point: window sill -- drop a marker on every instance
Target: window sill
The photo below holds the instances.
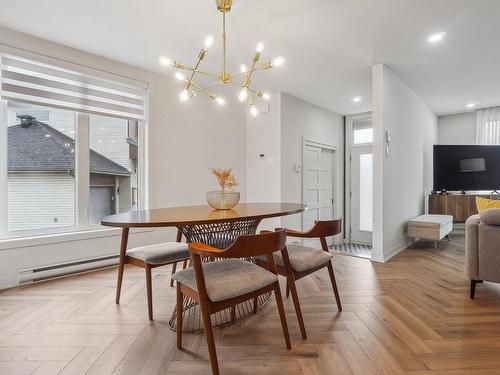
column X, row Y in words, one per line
column 13, row 243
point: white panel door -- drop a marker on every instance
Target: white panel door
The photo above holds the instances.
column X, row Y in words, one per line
column 361, row 194
column 317, row 185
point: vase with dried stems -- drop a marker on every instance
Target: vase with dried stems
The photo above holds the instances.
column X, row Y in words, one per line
column 225, row 198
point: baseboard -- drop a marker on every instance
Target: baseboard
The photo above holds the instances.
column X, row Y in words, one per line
column 391, row 253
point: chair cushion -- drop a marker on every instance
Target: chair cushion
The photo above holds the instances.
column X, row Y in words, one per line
column 302, row 257
column 227, row 279
column 162, row 253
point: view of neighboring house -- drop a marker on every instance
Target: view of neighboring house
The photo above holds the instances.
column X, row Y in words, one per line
column 41, row 163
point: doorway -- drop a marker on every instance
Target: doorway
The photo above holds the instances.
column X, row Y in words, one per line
column 318, row 188
column 359, row 183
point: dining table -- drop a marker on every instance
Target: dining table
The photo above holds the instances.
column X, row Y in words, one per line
column 217, row 228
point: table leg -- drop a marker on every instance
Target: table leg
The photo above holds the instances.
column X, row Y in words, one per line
column 121, row 266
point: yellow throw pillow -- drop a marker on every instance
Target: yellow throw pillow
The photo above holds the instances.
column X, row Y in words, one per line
column 483, row 204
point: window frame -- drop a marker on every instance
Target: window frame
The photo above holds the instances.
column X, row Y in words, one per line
column 82, row 181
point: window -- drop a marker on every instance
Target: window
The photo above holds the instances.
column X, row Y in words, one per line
column 72, row 144
column 362, row 130
column 488, row 126
column 366, row 192
column 113, row 166
column 41, row 167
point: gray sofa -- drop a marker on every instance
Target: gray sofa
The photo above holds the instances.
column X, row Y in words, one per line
column 482, row 248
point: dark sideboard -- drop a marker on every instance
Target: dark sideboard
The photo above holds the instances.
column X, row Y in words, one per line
column 460, row 206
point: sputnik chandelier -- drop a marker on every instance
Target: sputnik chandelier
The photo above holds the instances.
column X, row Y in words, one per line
column 246, row 92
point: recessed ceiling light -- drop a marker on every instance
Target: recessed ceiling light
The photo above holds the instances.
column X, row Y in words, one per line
column 471, row 105
column 356, row 99
column 436, row 37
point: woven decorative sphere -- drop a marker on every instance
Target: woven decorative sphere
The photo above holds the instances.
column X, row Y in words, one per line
column 223, row 200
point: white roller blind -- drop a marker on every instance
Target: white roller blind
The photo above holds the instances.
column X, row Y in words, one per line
column 39, row 83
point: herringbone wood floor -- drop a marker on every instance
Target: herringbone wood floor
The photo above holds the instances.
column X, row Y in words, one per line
column 411, row 315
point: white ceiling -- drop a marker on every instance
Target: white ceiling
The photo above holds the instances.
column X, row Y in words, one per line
column 330, row 45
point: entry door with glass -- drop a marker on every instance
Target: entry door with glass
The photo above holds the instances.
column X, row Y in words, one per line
column 362, row 195
column 361, row 181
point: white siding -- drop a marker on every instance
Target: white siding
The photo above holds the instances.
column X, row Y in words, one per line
column 40, row 200
column 108, row 137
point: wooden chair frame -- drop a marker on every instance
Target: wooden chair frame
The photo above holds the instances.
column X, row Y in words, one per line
column 321, row 230
column 244, row 246
column 126, row 259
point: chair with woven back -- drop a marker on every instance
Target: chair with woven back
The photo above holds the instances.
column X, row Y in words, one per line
column 224, row 283
column 300, row 261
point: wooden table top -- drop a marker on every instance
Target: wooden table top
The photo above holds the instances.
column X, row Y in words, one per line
column 190, row 215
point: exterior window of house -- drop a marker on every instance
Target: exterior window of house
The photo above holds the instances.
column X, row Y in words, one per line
column 362, row 131
column 113, row 166
column 70, row 146
column 41, row 167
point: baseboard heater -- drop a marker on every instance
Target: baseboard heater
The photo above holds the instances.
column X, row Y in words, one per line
column 63, row 269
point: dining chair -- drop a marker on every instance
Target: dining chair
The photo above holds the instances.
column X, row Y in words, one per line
column 226, row 282
column 152, row 256
column 300, row 261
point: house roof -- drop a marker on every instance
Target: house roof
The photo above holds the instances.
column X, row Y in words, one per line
column 40, row 147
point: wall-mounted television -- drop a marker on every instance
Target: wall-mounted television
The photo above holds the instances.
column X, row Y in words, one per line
column 463, row 168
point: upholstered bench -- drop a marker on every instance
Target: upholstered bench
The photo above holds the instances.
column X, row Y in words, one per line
column 430, row 227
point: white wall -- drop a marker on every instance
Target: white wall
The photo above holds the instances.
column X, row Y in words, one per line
column 404, row 177
column 273, row 178
column 184, row 142
column 301, row 121
column 458, row 129
column 264, row 137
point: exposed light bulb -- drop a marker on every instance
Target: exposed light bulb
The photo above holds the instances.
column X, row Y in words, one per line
column 356, row 99
column 266, row 96
column 253, row 110
column 184, row 96
column 242, row 97
column 243, row 68
column 209, row 41
column 437, row 37
column 220, row 101
column 164, row 60
column 260, row 47
column 278, row 61
column 180, row 76
column 471, row 105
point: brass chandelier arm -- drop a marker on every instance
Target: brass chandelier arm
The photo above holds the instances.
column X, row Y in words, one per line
column 203, row 88
column 195, row 69
column 201, row 72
